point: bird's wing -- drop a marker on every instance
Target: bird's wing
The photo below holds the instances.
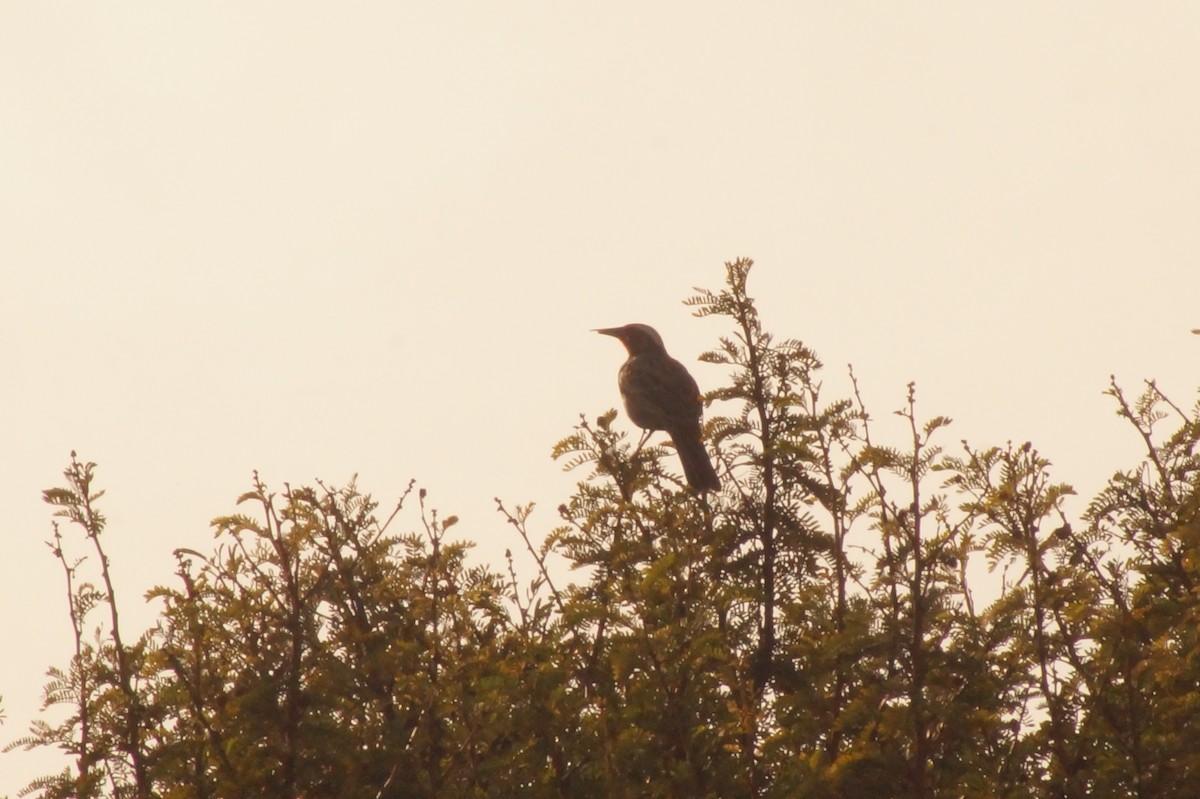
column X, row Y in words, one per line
column 681, row 387
column 660, row 394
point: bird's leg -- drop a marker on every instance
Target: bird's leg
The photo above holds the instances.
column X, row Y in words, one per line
column 645, row 435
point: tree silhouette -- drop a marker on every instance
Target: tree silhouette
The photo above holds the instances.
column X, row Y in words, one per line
column 813, row 629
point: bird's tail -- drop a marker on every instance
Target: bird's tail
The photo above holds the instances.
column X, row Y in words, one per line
column 697, row 467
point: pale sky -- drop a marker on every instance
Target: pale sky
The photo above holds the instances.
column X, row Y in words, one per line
column 321, row 239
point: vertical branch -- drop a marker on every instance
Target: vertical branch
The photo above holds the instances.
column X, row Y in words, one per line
column 77, row 607
column 433, row 590
column 289, row 567
column 917, row 596
column 77, row 502
column 751, row 335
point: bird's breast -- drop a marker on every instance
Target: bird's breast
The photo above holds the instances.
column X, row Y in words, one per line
column 659, row 394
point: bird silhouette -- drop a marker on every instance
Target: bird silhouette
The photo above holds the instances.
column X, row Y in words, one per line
column 659, row 394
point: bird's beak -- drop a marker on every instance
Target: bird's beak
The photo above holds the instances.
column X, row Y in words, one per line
column 615, row 332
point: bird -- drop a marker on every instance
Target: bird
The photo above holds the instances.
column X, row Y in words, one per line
column 660, row 394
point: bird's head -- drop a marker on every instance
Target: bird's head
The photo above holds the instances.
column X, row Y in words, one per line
column 637, row 338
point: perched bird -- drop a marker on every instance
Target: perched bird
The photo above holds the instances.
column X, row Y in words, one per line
column 659, row 394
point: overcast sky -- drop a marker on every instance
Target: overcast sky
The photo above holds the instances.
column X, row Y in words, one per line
column 321, row 239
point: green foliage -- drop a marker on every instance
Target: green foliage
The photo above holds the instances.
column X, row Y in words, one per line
column 813, row 630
